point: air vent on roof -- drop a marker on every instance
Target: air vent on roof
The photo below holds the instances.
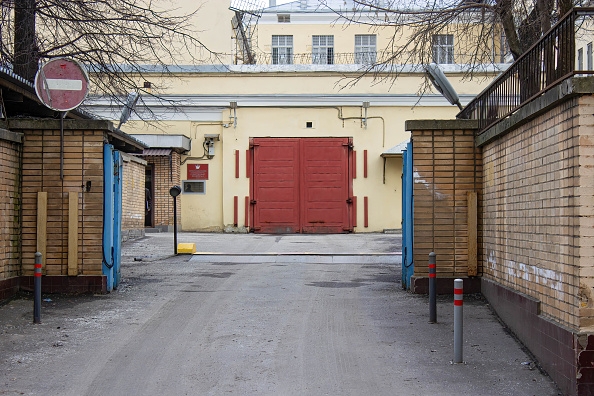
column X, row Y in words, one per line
column 284, row 18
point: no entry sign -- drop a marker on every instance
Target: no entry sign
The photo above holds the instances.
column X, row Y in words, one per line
column 62, row 84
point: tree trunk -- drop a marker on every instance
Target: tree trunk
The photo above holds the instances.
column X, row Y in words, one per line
column 504, row 9
column 26, row 53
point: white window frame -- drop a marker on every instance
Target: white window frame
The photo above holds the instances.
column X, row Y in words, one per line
column 282, row 50
column 365, row 49
column 322, row 50
column 443, row 48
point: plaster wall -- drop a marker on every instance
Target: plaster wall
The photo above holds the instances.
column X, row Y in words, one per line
column 214, row 210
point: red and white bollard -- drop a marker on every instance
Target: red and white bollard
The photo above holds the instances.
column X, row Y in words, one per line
column 37, row 290
column 458, row 319
column 432, row 288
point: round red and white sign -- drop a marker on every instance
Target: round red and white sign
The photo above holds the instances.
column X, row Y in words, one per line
column 62, row 84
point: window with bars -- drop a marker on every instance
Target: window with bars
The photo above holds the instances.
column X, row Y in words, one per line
column 589, row 56
column 365, row 48
column 580, row 59
column 282, row 50
column 322, row 50
column 443, row 48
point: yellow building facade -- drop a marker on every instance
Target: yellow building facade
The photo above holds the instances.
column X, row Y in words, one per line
column 295, row 88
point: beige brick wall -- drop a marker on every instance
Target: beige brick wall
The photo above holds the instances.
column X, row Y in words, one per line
column 535, row 211
column 584, row 201
column 166, row 174
column 10, row 202
column 446, row 167
column 83, row 162
column 133, row 201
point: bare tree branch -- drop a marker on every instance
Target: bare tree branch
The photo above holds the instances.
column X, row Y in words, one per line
column 115, row 39
column 484, row 30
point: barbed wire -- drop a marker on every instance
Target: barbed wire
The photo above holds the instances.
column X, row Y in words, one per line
column 348, row 58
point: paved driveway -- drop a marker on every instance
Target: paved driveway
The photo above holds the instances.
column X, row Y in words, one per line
column 259, row 323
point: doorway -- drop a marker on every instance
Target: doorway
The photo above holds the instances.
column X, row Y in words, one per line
column 301, row 185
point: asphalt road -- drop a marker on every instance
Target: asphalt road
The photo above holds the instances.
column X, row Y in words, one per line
column 268, row 325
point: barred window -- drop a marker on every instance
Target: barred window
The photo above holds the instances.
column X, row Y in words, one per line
column 443, row 48
column 322, row 50
column 365, row 48
column 282, row 50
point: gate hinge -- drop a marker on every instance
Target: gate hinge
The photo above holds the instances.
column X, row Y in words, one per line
column 349, row 144
column 253, row 202
column 349, row 200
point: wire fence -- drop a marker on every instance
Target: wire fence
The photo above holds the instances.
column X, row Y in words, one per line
column 344, row 58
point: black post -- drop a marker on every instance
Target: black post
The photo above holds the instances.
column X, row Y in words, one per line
column 432, row 287
column 175, row 225
column 37, row 290
column 174, row 192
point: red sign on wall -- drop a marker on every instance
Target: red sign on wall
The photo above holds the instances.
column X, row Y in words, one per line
column 197, row 171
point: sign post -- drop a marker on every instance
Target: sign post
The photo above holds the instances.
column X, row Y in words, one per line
column 61, row 84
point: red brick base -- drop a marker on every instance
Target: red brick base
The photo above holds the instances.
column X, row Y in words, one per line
column 9, row 287
column 67, row 284
column 420, row 285
column 567, row 356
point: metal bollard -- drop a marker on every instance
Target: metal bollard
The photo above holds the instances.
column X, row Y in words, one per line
column 458, row 319
column 432, row 288
column 37, row 290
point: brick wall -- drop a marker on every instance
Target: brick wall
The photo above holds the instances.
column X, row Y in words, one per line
column 83, row 162
column 166, row 174
column 133, row 201
column 446, row 167
column 533, row 210
column 10, row 211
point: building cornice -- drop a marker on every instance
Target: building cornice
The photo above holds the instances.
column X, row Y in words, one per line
column 309, row 69
column 211, row 107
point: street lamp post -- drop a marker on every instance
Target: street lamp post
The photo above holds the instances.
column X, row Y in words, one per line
column 174, row 192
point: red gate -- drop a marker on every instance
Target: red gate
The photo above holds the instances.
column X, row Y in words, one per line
column 301, row 185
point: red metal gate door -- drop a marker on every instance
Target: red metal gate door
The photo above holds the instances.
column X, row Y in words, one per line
column 275, row 189
column 325, row 184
